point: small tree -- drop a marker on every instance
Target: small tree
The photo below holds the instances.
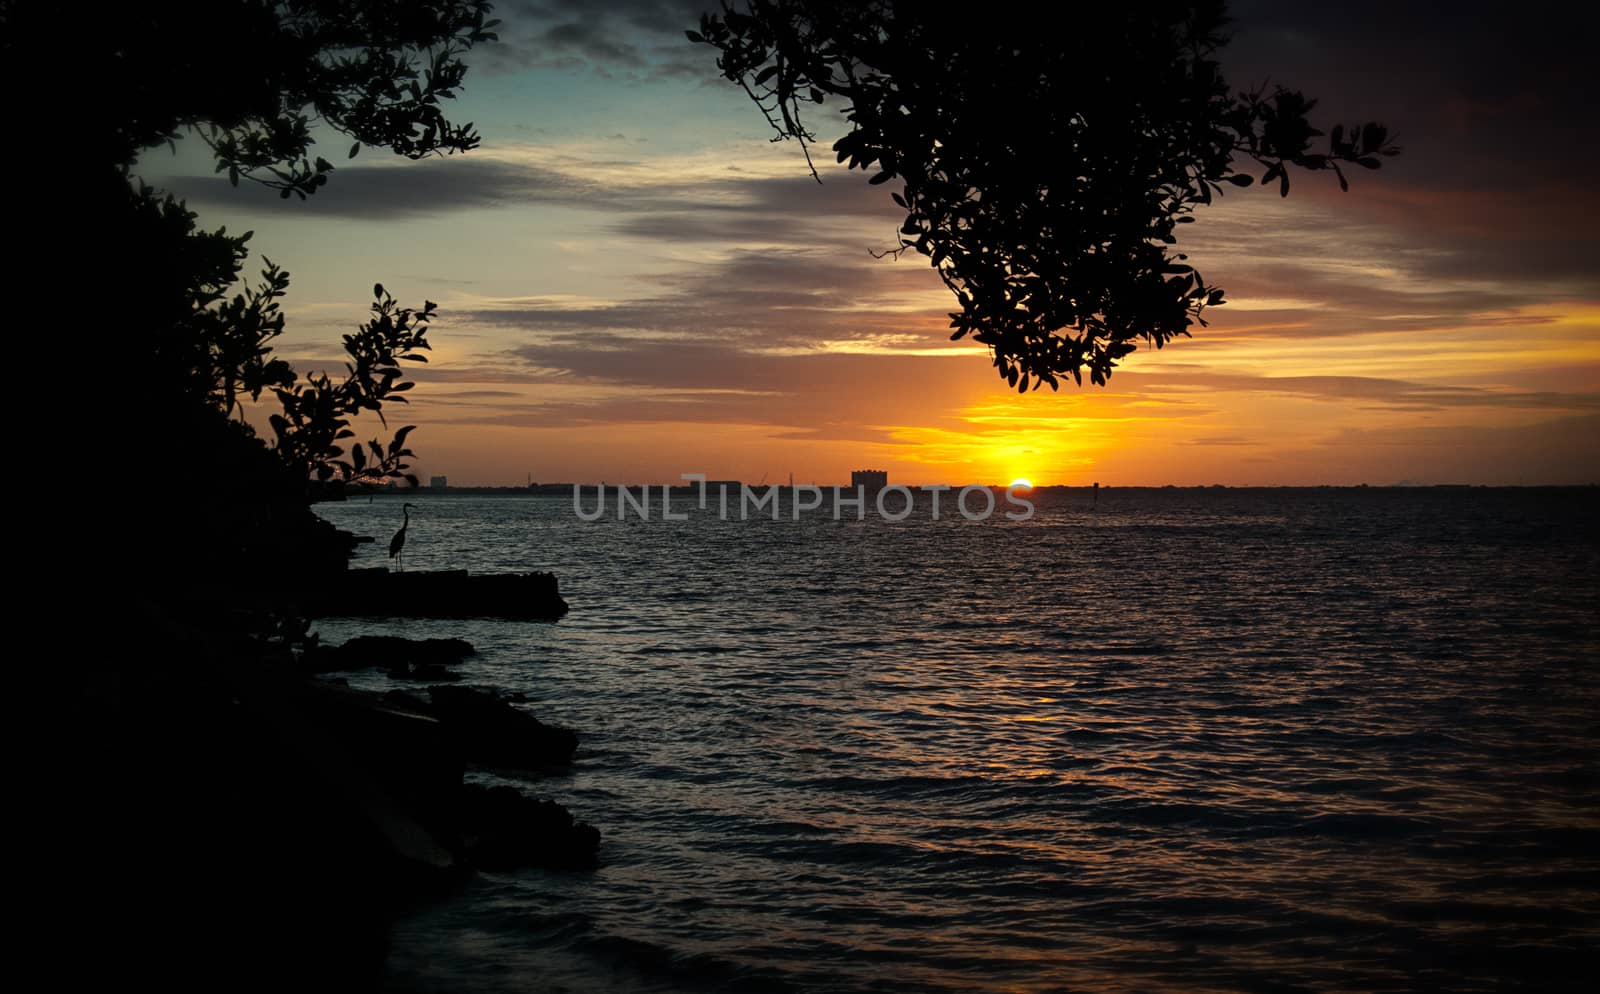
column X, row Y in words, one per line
column 219, row 354
column 317, row 413
column 257, row 81
column 1046, row 164
column 253, row 80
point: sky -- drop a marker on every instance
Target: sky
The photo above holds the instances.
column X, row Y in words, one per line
column 635, row 283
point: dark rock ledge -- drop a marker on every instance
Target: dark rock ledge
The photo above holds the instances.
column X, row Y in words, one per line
column 265, row 827
column 401, row 658
column 378, row 593
column 403, row 759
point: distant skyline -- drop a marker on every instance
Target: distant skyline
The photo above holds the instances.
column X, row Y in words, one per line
column 634, row 283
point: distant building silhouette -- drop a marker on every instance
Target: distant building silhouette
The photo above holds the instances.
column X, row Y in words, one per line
column 872, row 479
column 438, row 483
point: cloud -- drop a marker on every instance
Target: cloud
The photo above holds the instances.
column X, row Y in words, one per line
column 1323, row 263
column 748, row 302
column 1222, row 440
column 401, row 192
column 1399, row 394
column 1558, row 451
column 785, row 210
column 1485, row 97
column 607, row 346
column 592, row 40
column 639, row 39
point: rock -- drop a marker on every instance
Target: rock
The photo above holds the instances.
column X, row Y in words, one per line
column 288, row 818
column 385, row 649
column 402, row 658
column 403, row 773
column 491, row 732
column 378, row 593
column 405, row 700
column 397, row 742
column 503, row 829
column 426, row 673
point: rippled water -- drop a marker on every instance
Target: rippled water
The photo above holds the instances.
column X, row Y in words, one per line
column 1185, row 740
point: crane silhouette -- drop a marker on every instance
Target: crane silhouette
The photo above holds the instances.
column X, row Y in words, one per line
column 398, row 543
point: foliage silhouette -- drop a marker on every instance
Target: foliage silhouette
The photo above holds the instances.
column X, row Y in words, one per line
column 317, row 413
column 217, row 352
column 256, row 801
column 376, row 71
column 1045, row 170
column 256, row 81
column 252, row 77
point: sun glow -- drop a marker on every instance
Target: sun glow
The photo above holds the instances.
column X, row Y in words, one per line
column 1021, row 483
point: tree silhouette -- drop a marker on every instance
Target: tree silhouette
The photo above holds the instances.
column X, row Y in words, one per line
column 252, row 77
column 184, row 699
column 257, row 82
column 216, row 352
column 1045, row 168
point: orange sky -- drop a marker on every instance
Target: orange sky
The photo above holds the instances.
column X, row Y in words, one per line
column 633, row 284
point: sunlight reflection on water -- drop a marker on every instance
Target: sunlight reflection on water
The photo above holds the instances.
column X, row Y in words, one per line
column 1319, row 740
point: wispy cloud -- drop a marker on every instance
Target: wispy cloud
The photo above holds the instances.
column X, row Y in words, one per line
column 401, row 192
column 1443, row 314
column 638, row 39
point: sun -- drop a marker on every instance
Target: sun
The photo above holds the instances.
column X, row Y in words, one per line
column 1021, row 483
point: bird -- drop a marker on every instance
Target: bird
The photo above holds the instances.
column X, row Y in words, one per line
column 398, row 543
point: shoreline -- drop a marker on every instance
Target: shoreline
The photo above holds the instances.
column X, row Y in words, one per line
column 277, row 823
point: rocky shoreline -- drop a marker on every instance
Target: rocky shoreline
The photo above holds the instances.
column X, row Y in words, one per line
column 378, row 593
column 267, row 824
column 407, row 757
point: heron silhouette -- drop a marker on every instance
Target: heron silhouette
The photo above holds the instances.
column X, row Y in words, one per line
column 398, row 543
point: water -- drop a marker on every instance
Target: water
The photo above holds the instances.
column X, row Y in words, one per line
column 1182, row 741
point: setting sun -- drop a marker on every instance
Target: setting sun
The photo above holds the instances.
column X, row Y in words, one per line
column 699, row 449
